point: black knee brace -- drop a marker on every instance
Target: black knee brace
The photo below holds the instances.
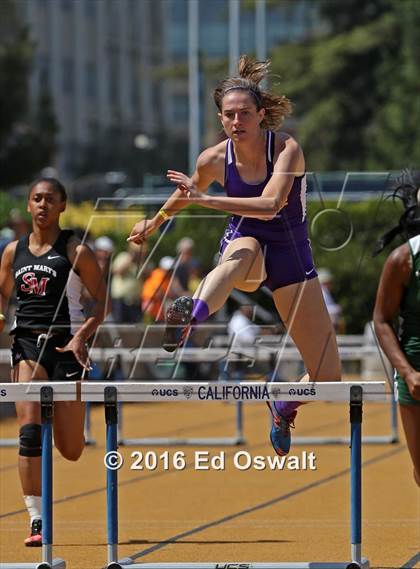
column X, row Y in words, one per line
column 30, row 440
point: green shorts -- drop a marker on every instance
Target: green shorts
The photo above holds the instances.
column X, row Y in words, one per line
column 404, row 395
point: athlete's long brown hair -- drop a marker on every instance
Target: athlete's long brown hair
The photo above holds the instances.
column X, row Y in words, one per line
column 251, row 73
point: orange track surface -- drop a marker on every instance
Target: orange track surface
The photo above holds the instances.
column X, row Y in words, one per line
column 226, row 515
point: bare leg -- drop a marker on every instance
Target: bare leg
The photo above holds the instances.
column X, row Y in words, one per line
column 68, row 427
column 241, row 267
column 69, row 421
column 302, row 308
column 410, row 415
column 29, row 412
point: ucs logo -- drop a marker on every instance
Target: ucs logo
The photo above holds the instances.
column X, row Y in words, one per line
column 233, row 566
column 163, row 392
column 302, row 391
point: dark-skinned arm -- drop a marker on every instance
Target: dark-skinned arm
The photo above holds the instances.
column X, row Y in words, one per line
column 395, row 276
column 6, row 279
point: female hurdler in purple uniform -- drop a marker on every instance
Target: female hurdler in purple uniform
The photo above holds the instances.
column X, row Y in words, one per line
column 266, row 240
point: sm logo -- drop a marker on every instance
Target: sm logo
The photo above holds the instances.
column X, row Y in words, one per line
column 33, row 285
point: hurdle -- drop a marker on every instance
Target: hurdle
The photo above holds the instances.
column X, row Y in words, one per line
column 46, row 394
column 353, row 393
column 258, row 352
column 184, row 355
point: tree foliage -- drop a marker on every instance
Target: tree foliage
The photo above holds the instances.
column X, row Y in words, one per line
column 26, row 132
column 355, row 89
column 395, row 130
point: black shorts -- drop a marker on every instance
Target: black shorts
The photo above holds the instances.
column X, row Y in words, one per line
column 38, row 348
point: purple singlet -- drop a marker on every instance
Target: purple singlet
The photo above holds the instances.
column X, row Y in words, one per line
column 284, row 239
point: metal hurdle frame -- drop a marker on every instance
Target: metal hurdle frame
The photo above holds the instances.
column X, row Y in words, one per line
column 262, row 352
column 187, row 354
column 46, row 394
column 392, row 438
column 354, row 393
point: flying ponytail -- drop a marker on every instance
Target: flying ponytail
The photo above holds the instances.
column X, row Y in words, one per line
column 251, row 73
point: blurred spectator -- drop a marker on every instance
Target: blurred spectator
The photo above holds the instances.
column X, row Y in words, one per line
column 242, row 327
column 243, row 332
column 334, row 310
column 196, row 276
column 6, row 236
column 126, row 286
column 103, row 248
column 18, row 224
column 161, row 286
column 184, row 250
column 16, row 227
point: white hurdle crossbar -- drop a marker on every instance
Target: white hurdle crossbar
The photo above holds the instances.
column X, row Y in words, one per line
column 46, row 394
column 354, row 393
column 259, row 352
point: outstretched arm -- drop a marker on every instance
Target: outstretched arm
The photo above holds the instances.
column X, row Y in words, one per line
column 395, row 275
column 289, row 164
column 203, row 176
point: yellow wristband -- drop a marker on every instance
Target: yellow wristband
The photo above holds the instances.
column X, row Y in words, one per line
column 2, row 316
column 163, row 214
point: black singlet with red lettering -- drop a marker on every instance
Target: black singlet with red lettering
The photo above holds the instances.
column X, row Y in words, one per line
column 47, row 289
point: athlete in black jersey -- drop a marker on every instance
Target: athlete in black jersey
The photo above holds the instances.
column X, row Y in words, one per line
column 47, row 269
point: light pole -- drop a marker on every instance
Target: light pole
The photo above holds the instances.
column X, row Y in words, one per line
column 260, row 30
column 234, row 35
column 193, row 84
column 143, row 142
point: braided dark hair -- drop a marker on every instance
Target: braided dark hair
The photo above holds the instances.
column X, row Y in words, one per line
column 405, row 187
